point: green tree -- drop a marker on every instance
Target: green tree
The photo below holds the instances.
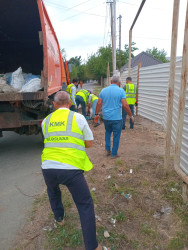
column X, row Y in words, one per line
column 97, row 63
column 76, row 61
column 158, row 54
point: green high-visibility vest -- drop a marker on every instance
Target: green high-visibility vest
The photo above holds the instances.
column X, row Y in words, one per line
column 131, row 90
column 84, row 94
column 69, row 91
column 64, row 141
column 93, row 98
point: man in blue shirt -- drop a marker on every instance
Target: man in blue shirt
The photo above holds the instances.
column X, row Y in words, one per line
column 112, row 99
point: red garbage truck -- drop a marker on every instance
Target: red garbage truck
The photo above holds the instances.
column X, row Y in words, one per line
column 28, row 40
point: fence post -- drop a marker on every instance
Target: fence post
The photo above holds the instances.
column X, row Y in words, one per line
column 138, row 72
column 171, row 83
column 181, row 108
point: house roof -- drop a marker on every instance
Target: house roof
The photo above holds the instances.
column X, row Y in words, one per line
column 144, row 58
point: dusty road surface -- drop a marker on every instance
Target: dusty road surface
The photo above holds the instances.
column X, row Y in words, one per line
column 20, row 181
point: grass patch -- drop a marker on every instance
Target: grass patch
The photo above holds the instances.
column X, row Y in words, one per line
column 119, row 162
column 120, row 217
column 67, row 236
column 180, row 242
column 147, row 230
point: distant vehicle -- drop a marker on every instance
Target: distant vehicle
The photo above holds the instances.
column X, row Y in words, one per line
column 28, row 40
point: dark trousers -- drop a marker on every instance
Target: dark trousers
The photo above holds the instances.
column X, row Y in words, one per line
column 79, row 100
column 72, row 108
column 77, row 185
column 124, row 116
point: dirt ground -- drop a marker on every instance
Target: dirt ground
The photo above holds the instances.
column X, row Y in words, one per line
column 136, row 202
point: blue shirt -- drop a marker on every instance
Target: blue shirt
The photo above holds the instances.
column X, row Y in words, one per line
column 111, row 102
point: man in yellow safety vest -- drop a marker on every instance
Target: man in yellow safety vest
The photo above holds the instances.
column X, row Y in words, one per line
column 64, row 159
column 92, row 103
column 132, row 100
column 82, row 97
column 71, row 90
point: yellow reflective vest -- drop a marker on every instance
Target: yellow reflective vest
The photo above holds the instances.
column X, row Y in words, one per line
column 69, row 91
column 63, row 140
column 93, row 98
column 131, row 90
column 84, row 94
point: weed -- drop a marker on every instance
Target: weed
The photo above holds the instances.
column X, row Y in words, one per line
column 120, row 216
column 67, row 236
column 146, row 229
column 119, row 162
column 180, row 242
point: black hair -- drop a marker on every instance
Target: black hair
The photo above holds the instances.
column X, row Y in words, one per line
column 75, row 80
column 129, row 78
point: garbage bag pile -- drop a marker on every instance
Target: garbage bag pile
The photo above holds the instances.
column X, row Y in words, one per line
column 18, row 81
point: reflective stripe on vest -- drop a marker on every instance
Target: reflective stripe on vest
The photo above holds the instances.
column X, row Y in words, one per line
column 64, row 141
column 93, row 98
column 84, row 94
column 130, row 93
column 62, row 133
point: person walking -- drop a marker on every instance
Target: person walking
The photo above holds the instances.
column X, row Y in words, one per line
column 81, row 84
column 66, row 135
column 92, row 102
column 132, row 99
column 112, row 98
column 82, row 97
column 71, row 90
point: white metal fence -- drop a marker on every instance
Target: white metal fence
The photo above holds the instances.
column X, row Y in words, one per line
column 153, row 100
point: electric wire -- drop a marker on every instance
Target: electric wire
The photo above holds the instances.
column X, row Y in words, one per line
column 63, row 6
column 83, row 12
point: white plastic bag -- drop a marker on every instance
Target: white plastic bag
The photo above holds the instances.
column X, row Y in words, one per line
column 32, row 86
column 17, row 80
column 5, row 88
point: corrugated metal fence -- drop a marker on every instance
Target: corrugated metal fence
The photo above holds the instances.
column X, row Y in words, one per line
column 153, row 100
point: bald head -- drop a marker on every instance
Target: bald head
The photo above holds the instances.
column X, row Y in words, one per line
column 61, row 99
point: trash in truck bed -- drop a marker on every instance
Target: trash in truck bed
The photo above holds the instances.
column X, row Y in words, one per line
column 18, row 81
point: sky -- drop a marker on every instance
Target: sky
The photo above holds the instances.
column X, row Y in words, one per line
column 82, row 26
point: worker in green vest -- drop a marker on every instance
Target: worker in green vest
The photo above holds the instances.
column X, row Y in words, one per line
column 82, row 97
column 92, row 103
column 64, row 159
column 132, row 100
column 71, row 90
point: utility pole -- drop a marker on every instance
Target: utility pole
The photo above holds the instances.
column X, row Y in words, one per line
column 119, row 41
column 113, row 32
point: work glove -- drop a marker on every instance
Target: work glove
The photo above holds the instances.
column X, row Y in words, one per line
column 97, row 119
column 136, row 104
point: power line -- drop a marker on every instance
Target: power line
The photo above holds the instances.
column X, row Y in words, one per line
column 67, row 8
column 63, row 6
column 82, row 12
